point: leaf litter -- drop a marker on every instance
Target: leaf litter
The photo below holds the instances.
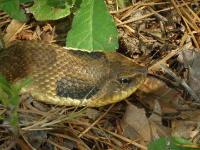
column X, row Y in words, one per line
column 162, row 35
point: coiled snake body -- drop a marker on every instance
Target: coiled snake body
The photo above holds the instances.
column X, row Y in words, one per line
column 71, row 77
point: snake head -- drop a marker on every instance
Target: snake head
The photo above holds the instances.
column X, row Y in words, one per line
column 124, row 78
column 68, row 77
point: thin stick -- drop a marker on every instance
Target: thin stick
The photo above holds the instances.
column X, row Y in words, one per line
column 94, row 123
column 126, row 140
column 182, row 83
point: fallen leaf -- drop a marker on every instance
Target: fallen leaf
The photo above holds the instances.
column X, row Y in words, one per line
column 184, row 129
column 135, row 123
column 155, row 89
column 191, row 60
column 155, row 120
column 13, row 28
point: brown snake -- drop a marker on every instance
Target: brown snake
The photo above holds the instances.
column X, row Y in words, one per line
column 71, row 77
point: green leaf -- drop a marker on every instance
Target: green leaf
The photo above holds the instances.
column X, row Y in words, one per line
column 93, row 28
column 171, row 143
column 9, row 93
column 14, row 119
column 2, row 117
column 77, row 5
column 9, row 97
column 5, row 85
column 25, row 1
column 57, row 4
column 60, row 3
column 42, row 11
column 12, row 8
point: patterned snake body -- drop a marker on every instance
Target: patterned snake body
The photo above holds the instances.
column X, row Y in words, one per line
column 71, row 77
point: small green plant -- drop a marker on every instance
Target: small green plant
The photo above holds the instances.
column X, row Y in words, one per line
column 172, row 143
column 10, row 99
column 93, row 28
column 12, row 7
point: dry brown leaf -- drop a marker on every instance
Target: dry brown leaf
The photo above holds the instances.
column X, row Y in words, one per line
column 191, row 60
column 193, row 115
column 92, row 113
column 184, row 129
column 25, row 35
column 136, row 123
column 156, row 115
column 155, row 120
column 13, row 28
column 155, row 89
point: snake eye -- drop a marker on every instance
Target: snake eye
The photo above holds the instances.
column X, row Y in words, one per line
column 124, row 80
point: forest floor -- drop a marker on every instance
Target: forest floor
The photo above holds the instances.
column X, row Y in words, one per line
column 164, row 37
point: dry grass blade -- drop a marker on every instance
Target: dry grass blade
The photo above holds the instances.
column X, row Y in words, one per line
column 192, row 16
column 157, row 65
column 121, row 10
column 147, row 15
column 135, row 19
column 12, row 30
column 126, row 140
column 132, row 10
column 4, row 18
column 57, row 145
column 66, row 137
column 94, row 123
column 126, row 26
column 26, row 141
column 188, row 19
column 137, row 5
column 191, row 33
column 51, row 119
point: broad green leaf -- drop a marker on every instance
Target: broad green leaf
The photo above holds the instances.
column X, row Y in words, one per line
column 78, row 3
column 57, row 4
column 25, row 1
column 12, row 8
column 42, row 11
column 60, row 3
column 93, row 28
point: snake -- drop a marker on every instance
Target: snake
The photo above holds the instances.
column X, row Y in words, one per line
column 70, row 77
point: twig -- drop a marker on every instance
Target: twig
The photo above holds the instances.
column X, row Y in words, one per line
column 126, row 140
column 94, row 123
column 181, row 82
column 58, row 146
column 147, row 15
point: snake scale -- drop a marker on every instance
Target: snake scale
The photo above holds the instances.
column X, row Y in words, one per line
column 71, row 77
